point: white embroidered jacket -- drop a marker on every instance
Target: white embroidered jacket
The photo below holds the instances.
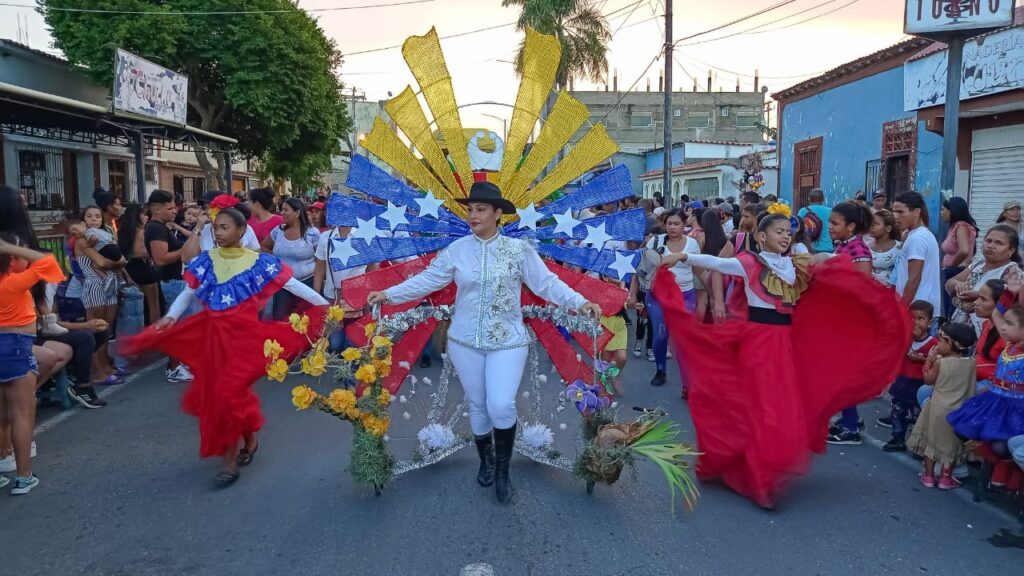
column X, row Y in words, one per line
column 489, row 275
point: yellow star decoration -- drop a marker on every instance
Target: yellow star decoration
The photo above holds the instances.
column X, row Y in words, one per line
column 303, row 397
column 277, row 370
column 272, row 349
column 299, row 323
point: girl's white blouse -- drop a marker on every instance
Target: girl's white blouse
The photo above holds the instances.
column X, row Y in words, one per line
column 489, row 275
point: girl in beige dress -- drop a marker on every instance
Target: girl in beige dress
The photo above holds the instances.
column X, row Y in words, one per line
column 951, row 370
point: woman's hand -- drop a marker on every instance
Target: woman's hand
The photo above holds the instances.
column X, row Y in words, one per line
column 164, row 323
column 968, row 296
column 673, row 259
column 718, row 310
column 97, row 324
column 376, row 298
column 590, row 310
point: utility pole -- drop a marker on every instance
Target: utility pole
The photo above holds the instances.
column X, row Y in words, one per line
column 951, row 116
column 667, row 172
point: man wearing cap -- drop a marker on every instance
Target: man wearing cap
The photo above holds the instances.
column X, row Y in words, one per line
column 727, row 212
column 487, row 340
column 878, row 201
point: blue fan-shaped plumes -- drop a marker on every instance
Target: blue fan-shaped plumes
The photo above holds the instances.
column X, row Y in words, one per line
column 343, row 210
column 629, row 225
column 367, row 178
column 592, row 259
column 611, row 186
column 381, row 249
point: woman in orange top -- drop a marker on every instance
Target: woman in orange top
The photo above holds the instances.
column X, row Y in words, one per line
column 20, row 270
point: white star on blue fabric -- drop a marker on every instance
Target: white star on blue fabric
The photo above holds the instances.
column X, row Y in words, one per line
column 343, row 249
column 201, row 271
column 623, row 264
column 259, row 279
column 271, row 268
column 365, row 229
column 597, row 235
column 227, row 300
column 395, row 215
column 428, row 205
column 529, row 216
column 566, row 223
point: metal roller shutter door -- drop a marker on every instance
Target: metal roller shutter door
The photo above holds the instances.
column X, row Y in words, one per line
column 995, row 180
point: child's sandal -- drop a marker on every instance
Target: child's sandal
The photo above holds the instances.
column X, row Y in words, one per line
column 927, row 480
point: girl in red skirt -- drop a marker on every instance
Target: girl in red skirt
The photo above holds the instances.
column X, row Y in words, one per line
column 758, row 421
column 224, row 344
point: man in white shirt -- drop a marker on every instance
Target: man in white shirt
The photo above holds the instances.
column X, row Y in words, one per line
column 918, row 272
column 204, row 241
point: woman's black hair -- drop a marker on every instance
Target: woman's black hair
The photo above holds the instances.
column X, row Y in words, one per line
column 962, row 335
column 1011, row 233
column 855, row 214
column 103, row 198
column 81, row 216
column 959, row 212
column 914, row 201
column 297, row 205
column 677, row 212
column 14, row 220
column 263, row 196
column 768, row 219
column 997, row 287
column 236, row 217
column 6, row 259
column 129, row 228
column 889, row 220
column 714, row 235
column 245, row 209
column 698, row 215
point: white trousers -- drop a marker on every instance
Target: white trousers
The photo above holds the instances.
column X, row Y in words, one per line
column 490, row 380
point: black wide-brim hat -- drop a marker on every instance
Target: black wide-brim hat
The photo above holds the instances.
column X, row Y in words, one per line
column 488, row 193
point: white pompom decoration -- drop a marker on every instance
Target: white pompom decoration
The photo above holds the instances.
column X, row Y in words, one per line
column 562, row 426
column 427, row 381
column 402, row 399
column 404, row 365
column 526, row 393
column 406, row 416
column 542, row 378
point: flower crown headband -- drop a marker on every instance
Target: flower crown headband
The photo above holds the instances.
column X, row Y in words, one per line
column 784, row 209
column 221, row 202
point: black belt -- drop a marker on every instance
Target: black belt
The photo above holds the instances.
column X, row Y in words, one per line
column 769, row 316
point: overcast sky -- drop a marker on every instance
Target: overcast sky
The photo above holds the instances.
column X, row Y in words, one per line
column 480, row 62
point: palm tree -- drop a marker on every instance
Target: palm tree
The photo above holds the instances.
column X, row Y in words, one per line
column 580, row 28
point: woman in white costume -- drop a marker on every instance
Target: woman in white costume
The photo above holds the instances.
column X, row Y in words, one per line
column 487, row 340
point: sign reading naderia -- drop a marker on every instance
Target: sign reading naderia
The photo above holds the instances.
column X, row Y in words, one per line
column 939, row 17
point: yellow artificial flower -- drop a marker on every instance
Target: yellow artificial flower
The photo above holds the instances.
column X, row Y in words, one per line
column 353, row 414
column 277, row 370
column 314, row 364
column 351, row 354
column 299, row 323
column 320, row 346
column 272, row 349
column 383, row 367
column 780, row 208
column 382, row 342
column 341, row 401
column 370, row 329
column 376, row 425
column 384, row 399
column 335, row 313
column 303, row 397
column 367, row 373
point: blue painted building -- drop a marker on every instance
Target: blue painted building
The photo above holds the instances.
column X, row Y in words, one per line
column 847, row 130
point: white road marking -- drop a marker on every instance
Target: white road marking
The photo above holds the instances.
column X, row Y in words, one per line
column 479, row 569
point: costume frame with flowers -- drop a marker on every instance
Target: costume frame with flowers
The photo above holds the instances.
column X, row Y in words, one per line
column 418, row 215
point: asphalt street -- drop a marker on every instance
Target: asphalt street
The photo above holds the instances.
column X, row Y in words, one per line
column 123, row 492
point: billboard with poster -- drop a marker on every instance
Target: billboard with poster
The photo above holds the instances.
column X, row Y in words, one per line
column 944, row 17
column 141, row 87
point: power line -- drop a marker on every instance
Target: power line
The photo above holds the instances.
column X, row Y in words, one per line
column 736, row 21
column 476, row 31
column 215, row 13
column 760, row 26
column 823, row 14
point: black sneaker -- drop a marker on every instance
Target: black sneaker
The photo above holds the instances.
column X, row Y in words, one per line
column 837, row 427
column 86, row 397
column 659, row 378
column 885, row 422
column 895, row 445
column 425, row 362
column 845, row 438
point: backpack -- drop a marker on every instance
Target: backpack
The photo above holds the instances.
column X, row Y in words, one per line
column 813, row 226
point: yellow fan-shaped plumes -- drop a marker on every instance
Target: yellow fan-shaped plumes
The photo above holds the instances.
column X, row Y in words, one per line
column 431, row 170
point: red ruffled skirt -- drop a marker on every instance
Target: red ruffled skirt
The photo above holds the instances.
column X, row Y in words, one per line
column 761, row 395
column 224, row 351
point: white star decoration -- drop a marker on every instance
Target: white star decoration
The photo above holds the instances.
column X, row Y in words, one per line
column 271, row 268
column 366, row 229
column 529, row 216
column 623, row 264
column 597, row 235
column 429, row 205
column 201, row 271
column 395, row 215
column 343, row 249
column 566, row 223
column 227, row 300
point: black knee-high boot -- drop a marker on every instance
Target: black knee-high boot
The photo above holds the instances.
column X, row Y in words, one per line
column 504, row 441
column 485, row 448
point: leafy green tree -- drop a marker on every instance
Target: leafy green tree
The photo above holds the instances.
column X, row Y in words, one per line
column 266, row 77
column 580, row 28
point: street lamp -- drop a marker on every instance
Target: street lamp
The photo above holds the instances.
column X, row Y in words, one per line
column 504, row 126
